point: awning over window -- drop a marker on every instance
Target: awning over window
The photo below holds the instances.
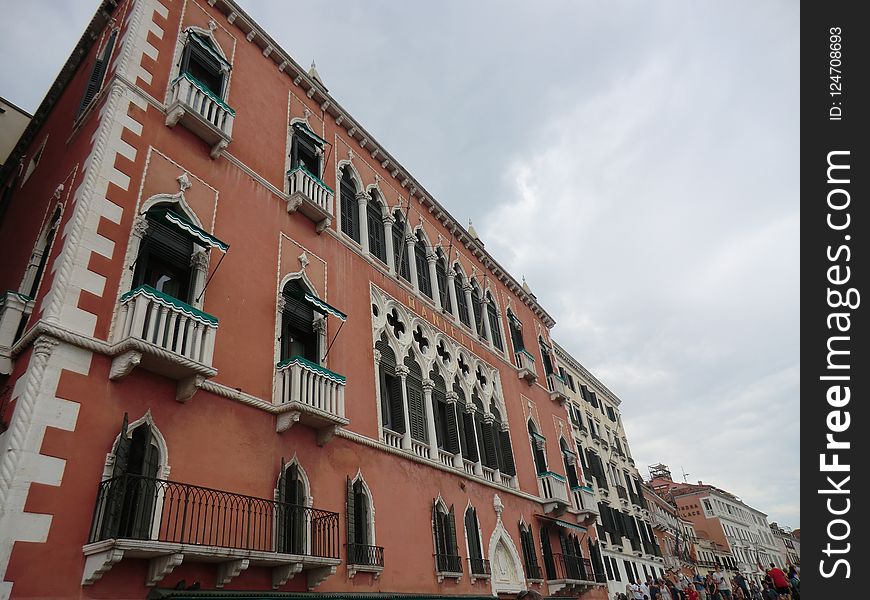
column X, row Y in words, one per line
column 304, row 130
column 203, row 238
column 561, row 523
column 206, row 44
column 322, row 307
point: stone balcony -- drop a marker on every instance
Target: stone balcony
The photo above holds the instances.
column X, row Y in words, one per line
column 310, row 394
column 197, row 108
column 558, row 389
column 584, row 504
column 14, row 310
column 166, row 336
column 553, row 492
column 525, row 362
column 167, row 523
column 310, row 196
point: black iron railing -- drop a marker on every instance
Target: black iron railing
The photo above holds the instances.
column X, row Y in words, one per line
column 479, row 566
column 448, row 563
column 136, row 507
column 622, row 492
column 362, row 554
column 533, row 571
column 566, row 566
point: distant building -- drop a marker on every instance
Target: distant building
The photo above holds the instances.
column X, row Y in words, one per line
column 676, row 536
column 13, row 122
column 788, row 543
column 724, row 519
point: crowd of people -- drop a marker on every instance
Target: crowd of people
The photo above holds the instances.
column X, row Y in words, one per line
column 776, row 585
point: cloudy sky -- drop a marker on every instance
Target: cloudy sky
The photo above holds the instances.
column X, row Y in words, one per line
column 637, row 161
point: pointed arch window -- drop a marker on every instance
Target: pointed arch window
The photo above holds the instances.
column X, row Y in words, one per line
column 164, row 256
column 494, row 323
column 516, row 329
column 545, row 356
column 290, row 511
column 478, row 565
column 447, row 559
column 538, row 445
column 446, row 430
column 424, row 283
column 477, row 306
column 441, row 276
column 377, row 245
column 416, row 408
column 361, row 550
column 39, row 258
column 98, row 74
column 298, row 337
column 305, row 150
column 461, row 301
column 128, row 501
column 392, row 414
column 530, row 557
column 400, row 253
column 349, row 206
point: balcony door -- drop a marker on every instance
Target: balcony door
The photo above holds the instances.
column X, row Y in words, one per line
column 291, row 511
column 298, row 337
column 164, row 257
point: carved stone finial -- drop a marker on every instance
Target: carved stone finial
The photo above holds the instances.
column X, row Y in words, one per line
column 350, row 155
column 58, row 191
column 377, row 179
column 497, row 505
column 307, row 113
column 212, row 25
column 303, row 260
column 183, row 182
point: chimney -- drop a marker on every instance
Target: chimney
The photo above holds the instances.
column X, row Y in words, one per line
column 700, row 482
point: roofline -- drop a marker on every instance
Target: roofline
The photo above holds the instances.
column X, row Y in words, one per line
column 80, row 51
column 565, row 355
column 16, row 107
column 317, row 92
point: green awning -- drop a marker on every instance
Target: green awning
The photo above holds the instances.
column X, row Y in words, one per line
column 313, row 367
column 172, row 303
column 538, row 436
column 201, row 237
column 322, row 307
column 206, row 44
column 306, row 131
column 561, row 523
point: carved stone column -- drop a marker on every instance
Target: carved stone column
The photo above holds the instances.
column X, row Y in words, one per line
column 428, row 386
column 410, row 240
column 388, row 242
column 466, row 289
column 484, row 314
column 451, row 289
column 453, row 403
column 199, row 262
column 402, row 371
column 362, row 200
column 432, row 258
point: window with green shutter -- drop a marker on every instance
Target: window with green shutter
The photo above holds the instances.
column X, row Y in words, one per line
column 494, row 323
column 416, row 408
column 400, row 251
column 461, row 300
column 392, row 413
column 424, row 282
column 441, row 276
column 349, row 205
column 98, row 74
column 375, row 221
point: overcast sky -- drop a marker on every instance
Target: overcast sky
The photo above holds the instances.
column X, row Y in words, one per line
column 636, row 161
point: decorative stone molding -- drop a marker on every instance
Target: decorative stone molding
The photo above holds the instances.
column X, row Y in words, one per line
column 284, row 573
column 317, row 576
column 124, row 363
column 229, row 570
column 97, row 565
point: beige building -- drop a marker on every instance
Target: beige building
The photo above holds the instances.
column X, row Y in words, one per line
column 13, row 122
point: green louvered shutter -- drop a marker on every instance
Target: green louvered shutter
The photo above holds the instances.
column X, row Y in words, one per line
column 396, row 408
column 470, row 445
column 451, row 534
column 281, row 512
column 507, row 453
column 452, row 442
column 350, row 511
column 416, row 412
column 113, row 492
column 489, row 440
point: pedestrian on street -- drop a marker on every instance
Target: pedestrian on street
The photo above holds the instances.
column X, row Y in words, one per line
column 780, row 581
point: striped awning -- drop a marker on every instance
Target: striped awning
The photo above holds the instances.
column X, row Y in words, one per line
column 322, row 307
column 304, row 130
column 561, row 523
column 201, row 237
column 206, row 44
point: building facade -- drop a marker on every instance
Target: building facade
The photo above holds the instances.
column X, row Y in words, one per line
column 628, row 543
column 675, row 536
column 724, row 519
column 13, row 122
column 242, row 348
column 788, row 544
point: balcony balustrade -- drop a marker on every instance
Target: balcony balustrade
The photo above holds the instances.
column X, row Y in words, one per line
column 478, row 568
column 526, row 364
column 558, row 389
column 310, row 394
column 584, row 504
column 419, row 448
column 310, row 196
column 362, row 558
column 169, row 522
column 448, row 565
column 570, row 575
column 197, row 108
column 554, row 492
column 393, row 439
column 166, row 336
column 14, row 310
